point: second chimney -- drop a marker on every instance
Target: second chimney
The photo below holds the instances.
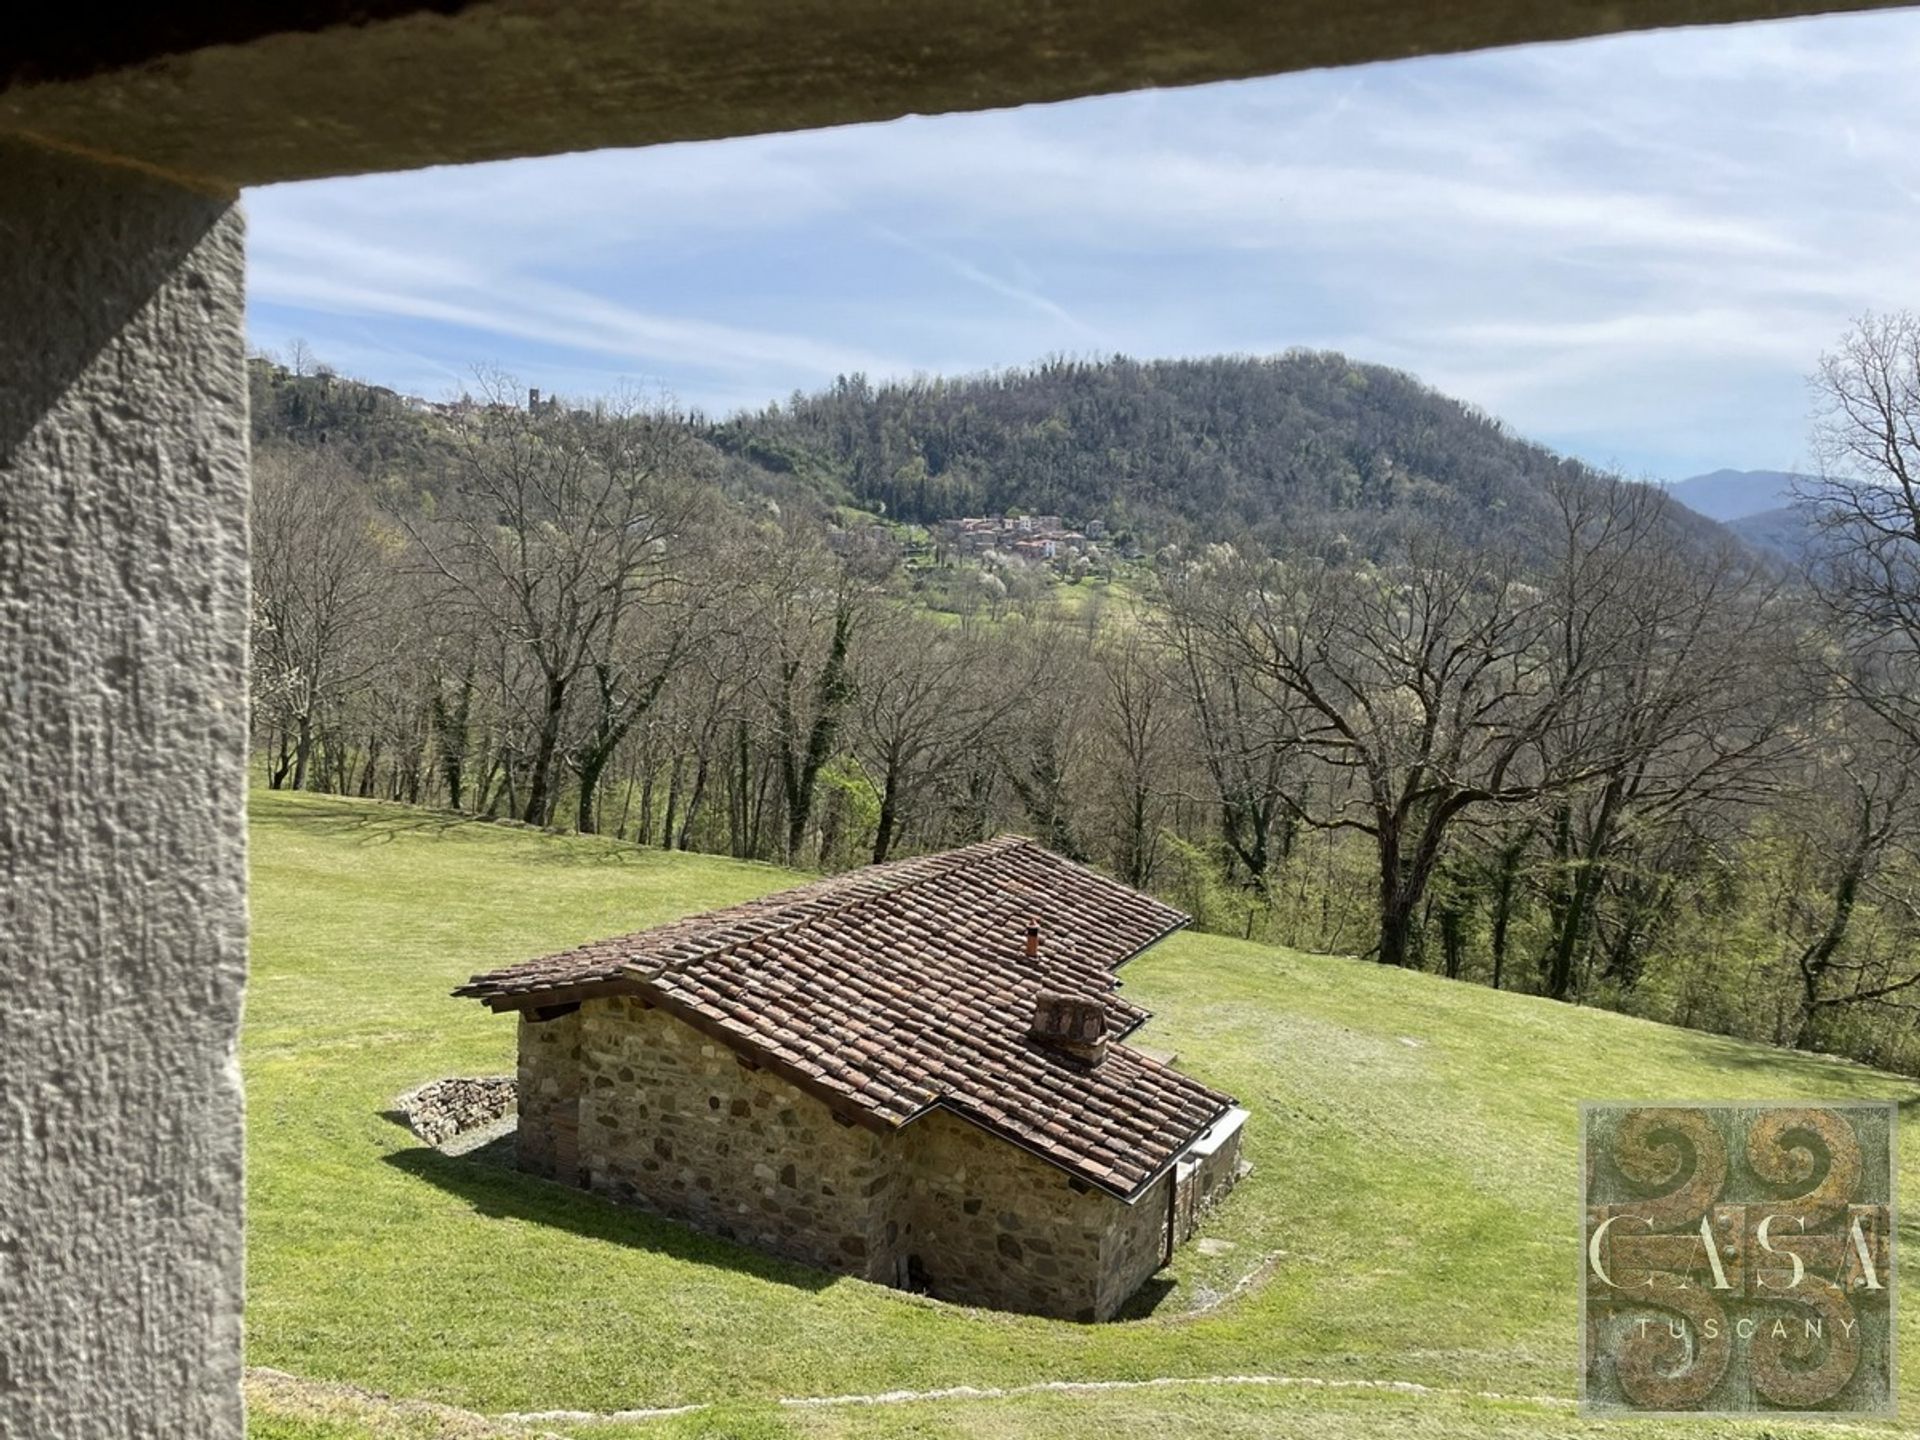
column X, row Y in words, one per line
column 1033, row 939
column 1070, row 1024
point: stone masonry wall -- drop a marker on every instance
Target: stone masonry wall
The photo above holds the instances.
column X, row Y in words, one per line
column 1133, row 1245
column 992, row 1225
column 1217, row 1174
column 672, row 1121
column 628, row 1101
column 549, row 1083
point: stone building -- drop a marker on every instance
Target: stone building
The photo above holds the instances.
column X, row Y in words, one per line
column 916, row 1073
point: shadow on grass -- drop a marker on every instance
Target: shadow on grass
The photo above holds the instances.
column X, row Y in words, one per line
column 482, row 1178
column 377, row 820
column 1850, row 1079
column 1144, row 1301
column 381, row 822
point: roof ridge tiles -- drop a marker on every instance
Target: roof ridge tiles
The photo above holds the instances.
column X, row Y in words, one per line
column 974, row 853
column 760, row 918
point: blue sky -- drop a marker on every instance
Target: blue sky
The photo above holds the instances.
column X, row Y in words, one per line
column 1632, row 249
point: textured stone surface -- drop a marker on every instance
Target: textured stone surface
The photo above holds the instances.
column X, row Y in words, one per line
column 442, row 1109
column 328, row 94
column 622, row 1098
column 548, row 1140
column 123, row 631
column 671, row 1120
column 992, row 1225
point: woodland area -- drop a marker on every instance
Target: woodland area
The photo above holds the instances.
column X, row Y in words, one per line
column 1391, row 681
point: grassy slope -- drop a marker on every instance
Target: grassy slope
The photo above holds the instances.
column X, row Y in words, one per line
column 1414, row 1145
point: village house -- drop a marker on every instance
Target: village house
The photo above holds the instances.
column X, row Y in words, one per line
column 916, row 1073
column 1034, row 539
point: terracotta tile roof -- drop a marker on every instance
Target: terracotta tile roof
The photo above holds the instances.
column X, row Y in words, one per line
column 889, row 990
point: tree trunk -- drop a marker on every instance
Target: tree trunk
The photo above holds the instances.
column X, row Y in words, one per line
column 368, row 771
column 278, row 771
column 889, row 817
column 693, row 799
column 592, row 765
column 1134, row 865
column 540, row 776
column 737, row 813
column 1246, row 831
column 1403, row 883
column 1396, row 905
column 1579, row 894
column 1453, row 938
column 509, row 780
column 1505, row 879
column 1816, row 959
column 302, row 749
column 1396, row 929
column 673, row 799
column 450, row 735
column 801, row 774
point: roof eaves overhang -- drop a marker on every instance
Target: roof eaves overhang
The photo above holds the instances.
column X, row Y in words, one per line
column 1134, row 954
column 542, row 996
column 1180, row 1150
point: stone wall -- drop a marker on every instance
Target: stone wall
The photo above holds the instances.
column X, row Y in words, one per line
column 1217, row 1174
column 673, row 1121
column 1133, row 1245
column 547, row 1142
column 621, row 1097
column 985, row 1223
column 442, row 1109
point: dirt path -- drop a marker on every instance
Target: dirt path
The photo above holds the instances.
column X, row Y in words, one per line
column 284, row 1393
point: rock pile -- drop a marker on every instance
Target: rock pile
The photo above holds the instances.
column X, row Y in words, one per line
column 442, row 1109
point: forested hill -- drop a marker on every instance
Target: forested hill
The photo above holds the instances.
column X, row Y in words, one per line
column 1168, row 449
column 1163, row 450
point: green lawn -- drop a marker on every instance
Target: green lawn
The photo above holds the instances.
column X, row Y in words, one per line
column 1415, row 1184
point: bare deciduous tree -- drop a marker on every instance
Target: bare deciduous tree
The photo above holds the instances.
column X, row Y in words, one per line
column 1660, row 644
column 928, row 696
column 558, row 528
column 1427, row 683
column 1138, row 724
column 1246, row 735
column 319, row 585
column 1866, row 509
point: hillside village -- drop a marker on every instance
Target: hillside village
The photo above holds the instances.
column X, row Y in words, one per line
column 1034, row 539
column 1044, row 545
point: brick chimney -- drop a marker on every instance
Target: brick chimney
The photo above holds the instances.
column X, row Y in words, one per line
column 1071, row 1024
column 1033, row 939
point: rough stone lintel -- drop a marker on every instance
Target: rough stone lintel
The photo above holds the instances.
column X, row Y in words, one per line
column 243, row 95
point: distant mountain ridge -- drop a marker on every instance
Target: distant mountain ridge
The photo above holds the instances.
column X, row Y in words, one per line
column 1170, row 450
column 1729, row 495
column 1166, row 451
column 1787, row 531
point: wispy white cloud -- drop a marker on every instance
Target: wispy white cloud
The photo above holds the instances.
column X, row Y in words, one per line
column 1634, row 247
column 321, row 272
column 986, row 280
